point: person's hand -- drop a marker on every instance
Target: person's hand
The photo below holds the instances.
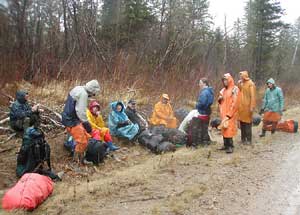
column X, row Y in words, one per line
column 261, row 111
column 97, row 113
column 252, row 109
column 220, row 99
column 35, row 108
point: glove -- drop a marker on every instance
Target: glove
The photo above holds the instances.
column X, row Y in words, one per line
column 261, row 111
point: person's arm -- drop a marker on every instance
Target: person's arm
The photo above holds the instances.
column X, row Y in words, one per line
column 202, row 101
column 19, row 113
column 159, row 113
column 81, row 105
column 235, row 102
column 281, row 100
column 252, row 97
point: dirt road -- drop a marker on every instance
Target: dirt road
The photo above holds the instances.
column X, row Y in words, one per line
column 260, row 179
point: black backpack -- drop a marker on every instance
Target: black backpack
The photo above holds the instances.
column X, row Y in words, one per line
column 96, row 151
column 34, row 151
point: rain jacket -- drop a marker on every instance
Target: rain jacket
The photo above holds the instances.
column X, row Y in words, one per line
column 20, row 108
column 273, row 100
column 75, row 107
column 247, row 98
column 161, row 113
column 116, row 122
column 228, row 105
column 96, row 122
column 205, row 100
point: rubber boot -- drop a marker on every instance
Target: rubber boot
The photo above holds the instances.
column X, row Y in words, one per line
column 112, row 147
column 263, row 133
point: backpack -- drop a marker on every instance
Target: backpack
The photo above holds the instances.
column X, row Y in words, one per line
column 165, row 146
column 96, row 151
column 34, row 151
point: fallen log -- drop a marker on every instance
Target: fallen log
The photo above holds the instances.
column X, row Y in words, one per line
column 4, row 120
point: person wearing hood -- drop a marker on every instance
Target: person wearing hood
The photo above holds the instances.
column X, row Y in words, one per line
column 272, row 107
column 163, row 113
column 204, row 102
column 246, row 106
column 99, row 131
column 20, row 112
column 228, row 103
column 74, row 115
column 134, row 115
column 119, row 123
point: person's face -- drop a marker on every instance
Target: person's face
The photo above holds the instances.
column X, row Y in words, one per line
column 270, row 85
column 95, row 109
column 132, row 105
column 241, row 77
column 225, row 82
column 201, row 84
column 165, row 101
column 119, row 108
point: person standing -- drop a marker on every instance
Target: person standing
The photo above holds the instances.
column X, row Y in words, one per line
column 199, row 125
column 228, row 103
column 246, row 106
column 272, row 107
column 74, row 115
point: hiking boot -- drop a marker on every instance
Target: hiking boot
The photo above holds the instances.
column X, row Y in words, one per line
column 263, row 133
column 229, row 150
column 85, row 162
column 112, row 147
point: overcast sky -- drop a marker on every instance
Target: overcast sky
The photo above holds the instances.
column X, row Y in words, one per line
column 235, row 8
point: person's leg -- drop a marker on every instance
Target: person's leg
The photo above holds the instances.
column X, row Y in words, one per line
column 81, row 138
column 264, row 127
column 230, row 145
column 248, row 132
column 226, row 145
column 274, row 126
column 205, row 139
column 243, row 131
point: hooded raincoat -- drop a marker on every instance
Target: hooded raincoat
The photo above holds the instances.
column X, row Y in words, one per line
column 163, row 115
column 115, row 119
column 273, row 100
column 228, row 104
column 19, row 109
column 247, row 98
column 97, row 123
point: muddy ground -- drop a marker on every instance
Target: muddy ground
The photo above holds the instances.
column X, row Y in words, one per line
column 259, row 179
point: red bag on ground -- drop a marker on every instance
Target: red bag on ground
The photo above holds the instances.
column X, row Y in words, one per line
column 290, row 126
column 30, row 191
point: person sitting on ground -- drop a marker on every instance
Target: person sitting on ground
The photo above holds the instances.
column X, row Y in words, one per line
column 34, row 151
column 119, row 124
column 98, row 125
column 21, row 111
column 134, row 116
column 74, row 115
column 272, row 107
column 163, row 113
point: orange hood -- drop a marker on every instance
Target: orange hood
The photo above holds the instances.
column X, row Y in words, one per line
column 230, row 80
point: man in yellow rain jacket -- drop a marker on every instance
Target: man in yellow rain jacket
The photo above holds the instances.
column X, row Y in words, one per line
column 163, row 113
column 246, row 106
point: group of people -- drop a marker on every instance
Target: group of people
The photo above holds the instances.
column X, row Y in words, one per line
column 83, row 120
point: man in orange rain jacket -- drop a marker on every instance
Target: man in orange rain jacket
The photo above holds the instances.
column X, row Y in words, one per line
column 228, row 104
column 246, row 106
column 163, row 113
